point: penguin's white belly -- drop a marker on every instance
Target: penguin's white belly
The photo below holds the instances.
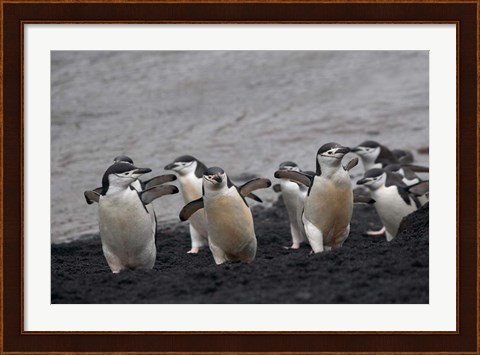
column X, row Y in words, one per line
column 127, row 231
column 137, row 185
column 391, row 208
column 230, row 225
column 301, row 202
column 329, row 208
column 290, row 194
column 199, row 222
column 294, row 198
column 191, row 188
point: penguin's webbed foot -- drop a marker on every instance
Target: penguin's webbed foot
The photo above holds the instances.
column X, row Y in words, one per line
column 377, row 232
column 194, row 250
column 294, row 246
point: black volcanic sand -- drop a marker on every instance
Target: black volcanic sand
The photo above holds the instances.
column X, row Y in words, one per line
column 367, row 269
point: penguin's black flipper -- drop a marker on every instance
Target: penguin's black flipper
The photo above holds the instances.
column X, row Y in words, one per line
column 155, row 192
column 409, row 174
column 416, row 168
column 309, row 173
column 277, row 188
column 252, row 185
column 351, row 164
column 295, row 176
column 190, row 208
column 158, row 180
column 254, row 197
column 420, row 188
column 92, row 196
column 363, row 199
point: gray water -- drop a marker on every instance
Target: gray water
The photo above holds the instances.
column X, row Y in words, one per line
column 246, row 111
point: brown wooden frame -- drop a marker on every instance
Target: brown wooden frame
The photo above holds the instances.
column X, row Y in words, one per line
column 465, row 14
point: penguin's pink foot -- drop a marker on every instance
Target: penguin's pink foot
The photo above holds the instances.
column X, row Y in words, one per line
column 194, row 250
column 293, row 246
column 378, row 232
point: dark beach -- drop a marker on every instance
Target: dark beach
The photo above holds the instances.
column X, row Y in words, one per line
column 367, row 269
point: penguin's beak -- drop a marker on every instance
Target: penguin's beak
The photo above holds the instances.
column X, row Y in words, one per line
column 141, row 171
column 169, row 166
column 362, row 181
column 355, row 149
column 211, row 178
column 343, row 150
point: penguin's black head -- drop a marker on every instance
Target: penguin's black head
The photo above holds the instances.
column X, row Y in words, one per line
column 333, row 150
column 330, row 154
column 121, row 175
column 214, row 173
column 214, row 177
column 369, row 144
column 185, row 159
column 123, row 159
column 181, row 163
column 373, row 178
column 289, row 165
column 366, row 147
column 187, row 164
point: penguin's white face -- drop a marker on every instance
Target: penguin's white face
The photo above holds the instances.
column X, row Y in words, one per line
column 374, row 182
column 184, row 168
column 367, row 152
column 290, row 168
column 332, row 157
column 119, row 176
column 215, row 181
column 124, row 179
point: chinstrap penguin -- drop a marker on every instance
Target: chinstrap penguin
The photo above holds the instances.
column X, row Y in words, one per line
column 231, row 233
column 293, row 195
column 393, row 199
column 329, row 203
column 190, row 175
column 92, row 196
column 374, row 155
column 145, row 184
column 127, row 219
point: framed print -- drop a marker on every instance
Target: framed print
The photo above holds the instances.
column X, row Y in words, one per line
column 229, row 94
